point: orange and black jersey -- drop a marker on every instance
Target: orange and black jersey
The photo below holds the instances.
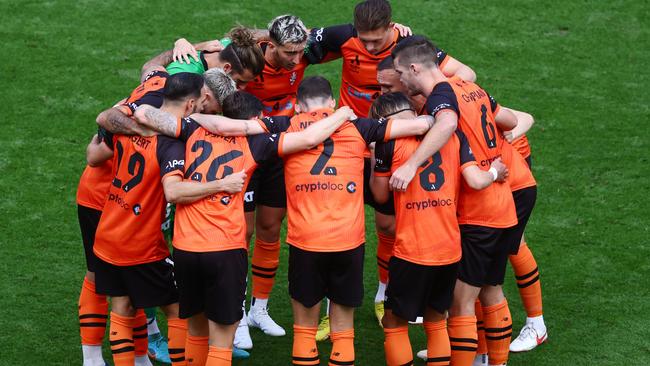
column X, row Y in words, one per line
column 426, row 229
column 492, row 206
column 522, row 146
column 519, row 174
column 216, row 222
column 276, row 87
column 129, row 229
column 359, row 86
column 325, row 184
column 95, row 181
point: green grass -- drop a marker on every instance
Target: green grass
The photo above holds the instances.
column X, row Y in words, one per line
column 578, row 66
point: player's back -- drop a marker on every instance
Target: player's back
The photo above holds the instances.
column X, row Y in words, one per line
column 94, row 184
column 427, row 230
column 492, row 206
column 325, row 189
column 129, row 229
column 215, row 222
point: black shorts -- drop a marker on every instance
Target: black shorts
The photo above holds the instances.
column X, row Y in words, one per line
column 524, row 203
column 249, row 196
column 271, row 191
column 387, row 208
column 213, row 283
column 147, row 285
column 485, row 254
column 335, row 275
column 414, row 287
column 88, row 221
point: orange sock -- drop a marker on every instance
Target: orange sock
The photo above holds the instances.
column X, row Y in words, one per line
column 305, row 351
column 196, row 350
column 463, row 340
column 140, row 336
column 527, row 274
column 498, row 331
column 438, row 347
column 121, row 339
column 398, row 346
column 266, row 257
column 219, row 356
column 480, row 328
column 385, row 245
column 342, row 348
column 93, row 313
column 176, row 333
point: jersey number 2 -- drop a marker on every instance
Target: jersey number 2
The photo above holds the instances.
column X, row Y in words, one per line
column 432, row 167
column 136, row 160
column 320, row 164
column 206, row 150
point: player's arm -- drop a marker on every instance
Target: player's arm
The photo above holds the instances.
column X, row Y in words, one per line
column 225, row 126
column 97, row 151
column 409, row 127
column 503, row 117
column 380, row 174
column 453, row 67
column 183, row 49
column 116, row 120
column 479, row 179
column 316, row 133
column 524, row 123
column 445, row 125
column 183, row 192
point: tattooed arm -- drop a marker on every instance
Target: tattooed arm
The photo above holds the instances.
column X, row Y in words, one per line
column 117, row 122
column 157, row 63
column 160, row 121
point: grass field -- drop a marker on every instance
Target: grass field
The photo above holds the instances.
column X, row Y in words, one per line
column 577, row 66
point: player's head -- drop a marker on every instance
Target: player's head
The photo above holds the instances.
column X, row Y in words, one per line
column 184, row 91
column 242, row 105
column 392, row 105
column 218, row 85
column 314, row 92
column 242, row 59
column 388, row 78
column 372, row 21
column 412, row 58
column 288, row 39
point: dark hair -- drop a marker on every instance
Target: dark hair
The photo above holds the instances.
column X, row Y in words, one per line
column 314, row 87
column 415, row 49
column 242, row 105
column 388, row 104
column 370, row 15
column 243, row 53
column 386, row 64
column 183, row 85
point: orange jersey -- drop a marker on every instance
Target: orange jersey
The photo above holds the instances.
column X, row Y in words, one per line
column 519, row 174
column 150, row 92
column 522, row 145
column 94, row 184
column 129, row 229
column 359, row 86
column 216, row 222
column 276, row 87
column 492, row 206
column 325, row 185
column 426, row 230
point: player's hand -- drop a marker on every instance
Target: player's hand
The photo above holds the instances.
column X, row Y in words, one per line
column 509, row 136
column 183, row 50
column 403, row 30
column 501, row 168
column 212, row 46
column 140, row 114
column 95, row 140
column 233, row 183
column 346, row 113
column 400, row 180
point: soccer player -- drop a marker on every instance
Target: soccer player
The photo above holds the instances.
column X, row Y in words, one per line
column 242, row 59
column 389, row 82
column 133, row 267
column 210, row 247
column 427, row 248
column 484, row 216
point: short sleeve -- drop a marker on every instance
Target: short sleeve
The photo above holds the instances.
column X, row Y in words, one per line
column 494, row 106
column 276, row 124
column 105, row 136
column 441, row 56
column 372, row 130
column 442, row 97
column 466, row 155
column 195, row 67
column 264, row 146
column 384, row 152
column 327, row 40
column 150, row 92
column 187, row 128
column 171, row 156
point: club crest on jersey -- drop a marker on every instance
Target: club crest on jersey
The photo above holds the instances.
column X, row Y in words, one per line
column 351, row 187
column 292, row 78
column 225, row 200
column 137, row 209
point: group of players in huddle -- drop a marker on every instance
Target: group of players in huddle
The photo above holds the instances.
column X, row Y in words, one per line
column 234, row 135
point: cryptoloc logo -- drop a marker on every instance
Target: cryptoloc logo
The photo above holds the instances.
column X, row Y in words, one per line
column 351, row 187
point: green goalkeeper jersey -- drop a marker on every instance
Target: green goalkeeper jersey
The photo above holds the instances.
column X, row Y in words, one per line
column 196, row 67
